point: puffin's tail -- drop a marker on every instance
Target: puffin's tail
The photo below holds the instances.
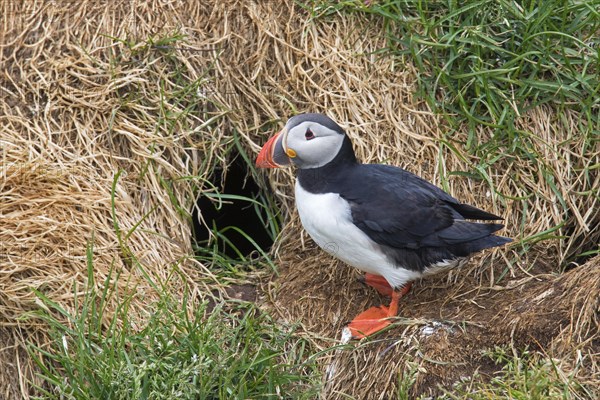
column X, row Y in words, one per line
column 465, row 237
column 483, row 243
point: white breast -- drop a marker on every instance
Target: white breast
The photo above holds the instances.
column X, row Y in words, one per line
column 327, row 219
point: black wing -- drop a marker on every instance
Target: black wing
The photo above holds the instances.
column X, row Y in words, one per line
column 400, row 210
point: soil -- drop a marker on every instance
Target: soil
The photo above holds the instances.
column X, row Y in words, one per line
column 244, row 292
column 14, row 360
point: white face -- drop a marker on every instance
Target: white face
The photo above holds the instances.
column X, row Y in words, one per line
column 313, row 144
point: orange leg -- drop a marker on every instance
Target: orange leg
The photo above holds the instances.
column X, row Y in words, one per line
column 376, row 318
column 379, row 283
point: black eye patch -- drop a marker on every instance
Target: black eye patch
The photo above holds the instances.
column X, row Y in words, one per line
column 309, row 135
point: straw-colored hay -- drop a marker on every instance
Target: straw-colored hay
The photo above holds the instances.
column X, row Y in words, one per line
column 78, row 105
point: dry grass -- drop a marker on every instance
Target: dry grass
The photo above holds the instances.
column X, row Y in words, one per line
column 77, row 105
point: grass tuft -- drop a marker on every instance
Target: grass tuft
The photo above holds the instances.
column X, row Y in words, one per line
column 235, row 351
column 489, row 61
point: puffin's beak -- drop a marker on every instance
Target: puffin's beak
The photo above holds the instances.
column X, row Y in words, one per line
column 273, row 154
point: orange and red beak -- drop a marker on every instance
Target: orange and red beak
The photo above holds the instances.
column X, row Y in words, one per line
column 273, row 154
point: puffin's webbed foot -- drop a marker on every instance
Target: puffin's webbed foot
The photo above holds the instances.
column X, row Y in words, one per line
column 375, row 319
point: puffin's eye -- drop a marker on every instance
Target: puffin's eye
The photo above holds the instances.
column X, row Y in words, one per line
column 309, row 135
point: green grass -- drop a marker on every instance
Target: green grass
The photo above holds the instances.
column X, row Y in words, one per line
column 491, row 60
column 233, row 351
column 527, row 376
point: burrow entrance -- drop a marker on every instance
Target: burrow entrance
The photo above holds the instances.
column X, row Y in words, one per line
column 241, row 216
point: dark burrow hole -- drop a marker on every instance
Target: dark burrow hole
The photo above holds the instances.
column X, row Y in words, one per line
column 242, row 214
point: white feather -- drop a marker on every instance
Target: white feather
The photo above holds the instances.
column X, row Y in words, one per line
column 328, row 220
column 444, row 265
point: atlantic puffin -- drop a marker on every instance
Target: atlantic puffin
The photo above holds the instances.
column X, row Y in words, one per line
column 381, row 219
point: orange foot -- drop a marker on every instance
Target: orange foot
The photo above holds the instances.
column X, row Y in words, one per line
column 376, row 318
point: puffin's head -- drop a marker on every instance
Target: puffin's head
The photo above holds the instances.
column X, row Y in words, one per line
column 307, row 141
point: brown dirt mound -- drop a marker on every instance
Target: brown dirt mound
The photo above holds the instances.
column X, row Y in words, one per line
column 89, row 90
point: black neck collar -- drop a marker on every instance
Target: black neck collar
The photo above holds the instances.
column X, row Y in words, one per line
column 318, row 180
